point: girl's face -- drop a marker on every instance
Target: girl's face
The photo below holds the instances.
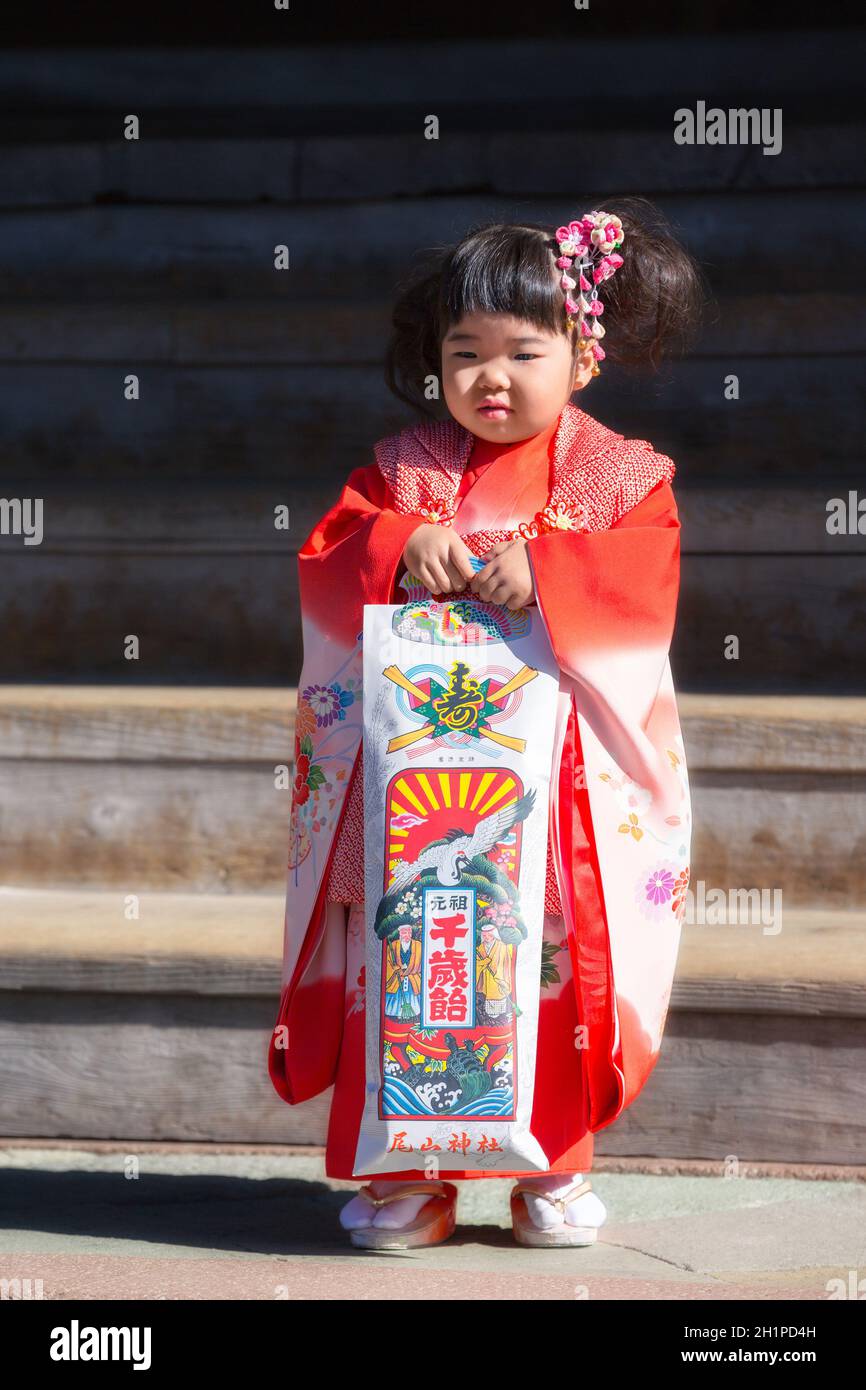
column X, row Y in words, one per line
column 505, row 379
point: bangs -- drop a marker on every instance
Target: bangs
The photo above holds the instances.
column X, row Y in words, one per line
column 504, row 270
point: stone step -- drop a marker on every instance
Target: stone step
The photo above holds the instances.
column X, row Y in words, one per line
column 157, row 1026
column 151, row 788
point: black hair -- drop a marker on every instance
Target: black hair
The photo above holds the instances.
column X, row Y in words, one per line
column 652, row 304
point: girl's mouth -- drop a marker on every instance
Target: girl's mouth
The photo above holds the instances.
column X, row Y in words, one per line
column 494, row 412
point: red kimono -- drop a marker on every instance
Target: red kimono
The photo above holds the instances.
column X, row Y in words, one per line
column 604, row 554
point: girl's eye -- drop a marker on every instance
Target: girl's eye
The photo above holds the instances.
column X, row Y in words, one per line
column 518, row 355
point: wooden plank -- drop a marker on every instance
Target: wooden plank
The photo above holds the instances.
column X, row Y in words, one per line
column 773, row 324
column 74, row 941
column 140, row 1063
column 225, row 617
column 239, row 520
column 81, row 941
column 210, row 617
column 185, row 1068
column 51, row 172
column 207, row 829
column 146, row 723
column 790, row 633
column 827, row 156
column 171, row 331
column 230, row 618
column 751, row 1084
column 795, row 622
column 769, row 521
column 782, row 962
column 197, row 423
column 106, row 1066
column 169, row 723
column 174, row 521
column 774, row 733
column 724, row 68
column 224, row 724
column 256, row 333
column 790, row 833
column 137, row 826
column 745, row 239
column 211, row 828
column 333, row 168
column 135, row 820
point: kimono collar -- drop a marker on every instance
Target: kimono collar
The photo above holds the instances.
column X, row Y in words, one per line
column 449, row 444
column 596, row 473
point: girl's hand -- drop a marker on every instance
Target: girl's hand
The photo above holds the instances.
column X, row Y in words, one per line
column 506, row 578
column 439, row 557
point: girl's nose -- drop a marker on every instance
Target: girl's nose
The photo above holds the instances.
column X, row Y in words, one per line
column 494, row 379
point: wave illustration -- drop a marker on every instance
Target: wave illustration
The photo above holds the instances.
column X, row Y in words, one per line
column 400, row 1099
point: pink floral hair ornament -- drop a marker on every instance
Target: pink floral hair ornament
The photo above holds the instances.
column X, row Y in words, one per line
column 589, row 246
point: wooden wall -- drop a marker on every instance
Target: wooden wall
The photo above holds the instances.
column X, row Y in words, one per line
column 258, row 388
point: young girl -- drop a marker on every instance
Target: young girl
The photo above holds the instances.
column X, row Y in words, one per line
column 574, row 522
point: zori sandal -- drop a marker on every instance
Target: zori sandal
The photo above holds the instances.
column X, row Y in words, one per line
column 434, row 1223
column 527, row 1233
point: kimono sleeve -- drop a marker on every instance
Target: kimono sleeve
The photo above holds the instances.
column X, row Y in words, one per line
column 352, row 555
column 608, row 601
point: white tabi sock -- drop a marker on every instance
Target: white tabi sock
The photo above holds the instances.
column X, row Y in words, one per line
column 359, row 1212
column 585, row 1210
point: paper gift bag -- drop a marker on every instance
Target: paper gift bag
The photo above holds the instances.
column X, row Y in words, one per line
column 460, row 701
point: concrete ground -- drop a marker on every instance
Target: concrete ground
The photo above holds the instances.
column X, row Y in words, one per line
column 146, row 1221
